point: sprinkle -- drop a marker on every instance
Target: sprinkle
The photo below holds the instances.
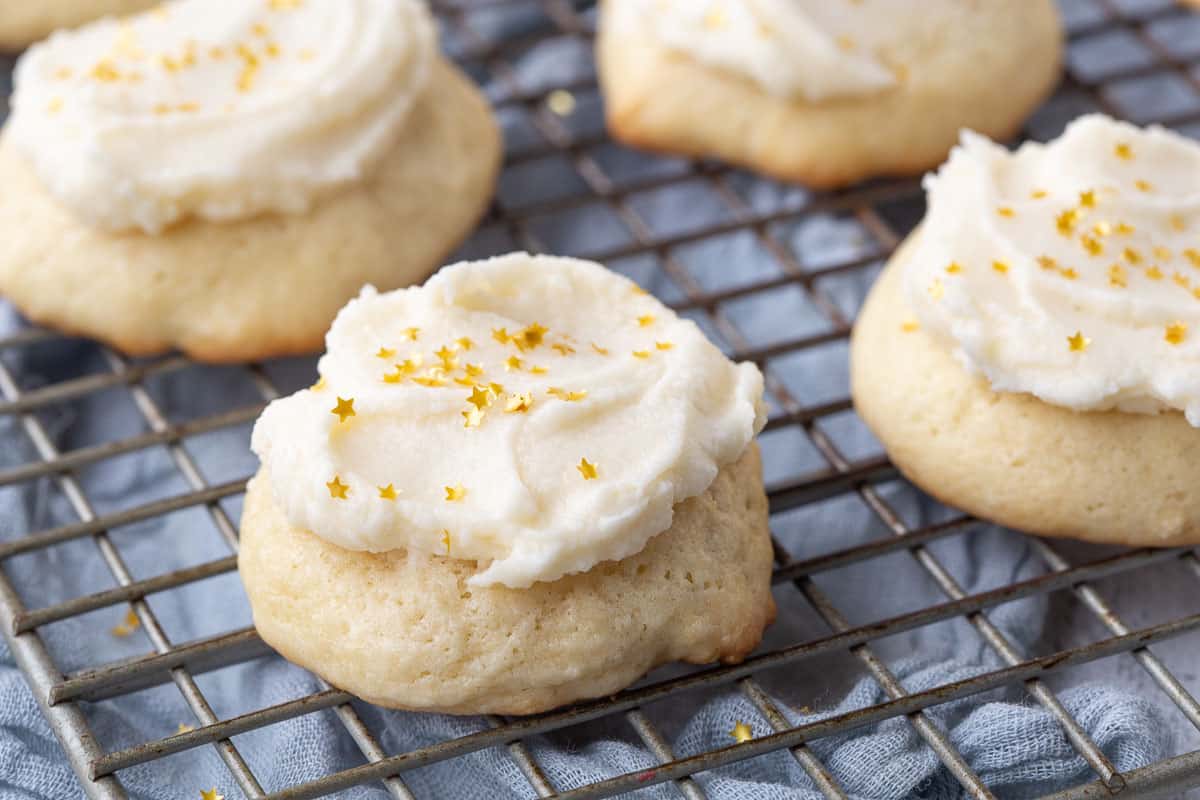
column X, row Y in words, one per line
column 663, row 345
column 1000, row 266
column 602, row 351
column 1178, row 222
column 641, row 353
column 432, row 379
column 1182, row 280
column 465, row 381
column 455, row 493
column 587, row 469
column 250, row 65
column 216, row 53
column 936, row 289
column 561, row 102
column 910, row 326
column 343, row 409
column 337, row 489
column 387, row 492
column 184, row 728
column 446, row 355
column 501, row 335
column 1046, row 262
column 1123, row 151
column 563, row 349
column 1094, row 246
column 1088, row 199
column 412, row 333
column 319, row 385
column 464, row 343
column 1144, row 186
column 1078, row 343
column 1124, row 229
column 472, row 417
column 480, row 398
column 538, row 370
column 385, row 353
column 742, row 732
column 1069, row 273
column 1192, row 255
column 1102, row 229
column 519, row 403
column 1038, row 194
column 531, row 337
column 562, row 394
column 1005, row 211
column 1163, row 253
column 272, row 50
column 954, row 268
column 105, row 71
column 211, row 794
column 284, row 5
column 496, row 389
column 512, row 363
column 446, row 540
column 645, row 320
column 1116, row 276
column 258, row 29
column 55, row 105
column 1066, row 221
column 1154, row 274
column 847, row 43
column 1176, row 333
column 129, row 623
column 1132, row 256
column 715, row 19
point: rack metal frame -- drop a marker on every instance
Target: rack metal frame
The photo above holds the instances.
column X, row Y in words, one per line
column 59, row 694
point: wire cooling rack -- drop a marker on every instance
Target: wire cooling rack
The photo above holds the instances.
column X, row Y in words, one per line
column 1138, row 60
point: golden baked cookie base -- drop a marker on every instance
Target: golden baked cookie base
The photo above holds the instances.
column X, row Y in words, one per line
column 1106, row 477
column 261, row 287
column 23, row 22
column 410, row 633
column 998, row 67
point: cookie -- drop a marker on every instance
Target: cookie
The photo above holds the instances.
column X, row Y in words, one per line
column 22, row 24
column 522, row 484
column 823, row 93
column 242, row 237
column 1029, row 354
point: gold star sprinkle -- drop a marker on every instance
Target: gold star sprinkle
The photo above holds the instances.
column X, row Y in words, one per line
column 474, row 370
column 1046, row 262
column 1178, row 223
column 387, row 492
column 645, row 320
column 319, row 385
column 910, row 326
column 1000, row 266
column 1123, row 229
column 519, row 403
column 1066, row 221
column 184, row 728
column 538, row 370
column 344, row 409
column 385, row 353
column 1123, row 151
column 562, row 394
column 55, row 105
column 742, row 732
column 1078, row 343
column 1181, row 280
column 455, row 493
column 531, row 337
column 602, row 351
column 1069, row 273
column 1088, row 199
column 1163, row 253
column 641, row 353
column 1176, row 333
column 465, row 381
column 337, row 489
column 1144, row 186
column 1132, row 256
column 496, row 389
column 1093, row 246
column 1193, row 256
column 1038, row 194
column 129, row 623
column 211, row 794
column 1102, row 229
column 563, row 349
column 480, row 398
column 1116, row 276
column 464, row 343
column 1154, row 274
column 1007, row 212
column 512, row 363
column 446, row 355
column 501, row 335
column 954, row 268
column 472, row 417
column 394, row 377
column 587, row 469
column 936, row 289
column 446, row 540
column 412, row 334
column 663, row 345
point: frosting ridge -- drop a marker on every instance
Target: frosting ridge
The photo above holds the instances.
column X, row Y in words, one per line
column 539, row 415
column 218, row 111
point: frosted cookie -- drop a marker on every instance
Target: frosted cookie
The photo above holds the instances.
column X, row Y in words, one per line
column 1032, row 354
column 823, row 92
column 522, row 484
column 223, row 179
column 23, row 22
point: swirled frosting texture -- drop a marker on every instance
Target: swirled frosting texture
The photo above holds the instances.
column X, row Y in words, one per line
column 539, row 415
column 218, row 110
column 1071, row 270
column 814, row 49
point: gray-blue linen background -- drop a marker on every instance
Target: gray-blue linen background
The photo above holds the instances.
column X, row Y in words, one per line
column 1008, row 739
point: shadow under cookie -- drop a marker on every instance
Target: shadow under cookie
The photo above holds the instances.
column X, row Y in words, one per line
column 965, row 65
column 265, row 286
column 409, row 632
column 1107, row 477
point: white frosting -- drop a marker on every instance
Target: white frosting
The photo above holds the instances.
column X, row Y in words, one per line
column 645, row 398
column 1077, row 274
column 218, row 110
column 815, row 49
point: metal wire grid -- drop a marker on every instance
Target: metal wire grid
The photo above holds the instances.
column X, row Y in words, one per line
column 1148, row 24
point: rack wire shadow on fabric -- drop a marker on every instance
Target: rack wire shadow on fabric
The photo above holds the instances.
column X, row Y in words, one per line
column 60, row 695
